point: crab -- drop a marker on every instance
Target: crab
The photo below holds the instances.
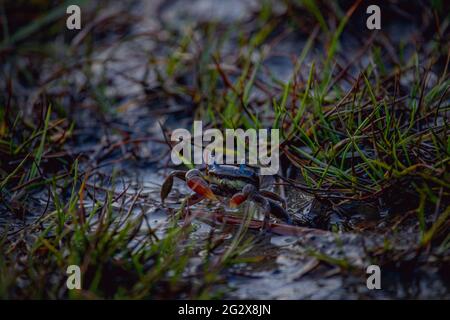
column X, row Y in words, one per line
column 239, row 183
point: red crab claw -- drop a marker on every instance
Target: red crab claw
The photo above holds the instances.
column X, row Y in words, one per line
column 237, row 199
column 197, row 184
column 240, row 197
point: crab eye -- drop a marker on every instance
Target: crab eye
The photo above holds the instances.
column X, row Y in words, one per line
column 193, row 173
column 249, row 189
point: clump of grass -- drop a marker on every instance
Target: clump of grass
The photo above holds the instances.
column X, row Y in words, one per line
column 347, row 137
column 113, row 242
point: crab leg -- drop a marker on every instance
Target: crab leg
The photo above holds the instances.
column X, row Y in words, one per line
column 279, row 212
column 269, row 206
column 265, row 205
column 273, row 196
